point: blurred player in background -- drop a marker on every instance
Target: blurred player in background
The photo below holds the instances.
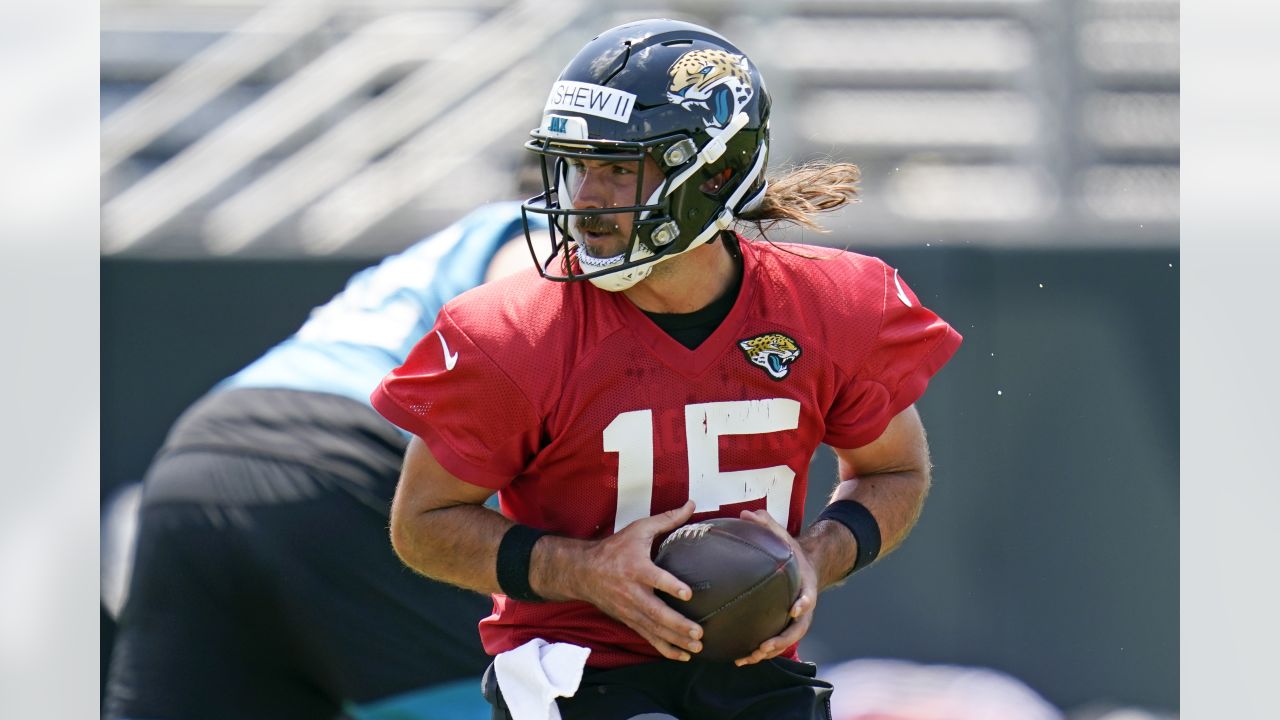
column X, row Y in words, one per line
column 692, row 376
column 264, row 585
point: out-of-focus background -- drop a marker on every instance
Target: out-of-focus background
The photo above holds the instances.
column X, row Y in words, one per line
column 1021, row 169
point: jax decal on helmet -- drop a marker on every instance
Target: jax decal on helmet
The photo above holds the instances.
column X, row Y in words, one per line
column 671, row 91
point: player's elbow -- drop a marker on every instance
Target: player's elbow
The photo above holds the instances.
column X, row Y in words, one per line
column 402, row 533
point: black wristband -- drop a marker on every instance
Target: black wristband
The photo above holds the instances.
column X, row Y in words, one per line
column 513, row 562
column 866, row 531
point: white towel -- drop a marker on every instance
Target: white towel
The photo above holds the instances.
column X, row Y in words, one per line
column 533, row 675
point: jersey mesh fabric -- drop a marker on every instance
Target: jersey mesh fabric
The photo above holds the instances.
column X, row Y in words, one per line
column 560, row 395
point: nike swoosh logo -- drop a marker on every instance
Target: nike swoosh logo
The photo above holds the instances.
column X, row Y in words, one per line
column 902, row 295
column 450, row 359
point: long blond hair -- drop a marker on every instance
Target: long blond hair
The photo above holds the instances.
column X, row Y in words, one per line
column 802, row 192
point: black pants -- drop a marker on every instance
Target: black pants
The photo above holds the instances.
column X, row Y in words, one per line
column 264, row 588
column 777, row 689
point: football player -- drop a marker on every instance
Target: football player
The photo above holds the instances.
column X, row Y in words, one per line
column 677, row 371
column 263, row 584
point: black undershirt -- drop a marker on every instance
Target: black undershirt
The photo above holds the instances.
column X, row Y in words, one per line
column 691, row 329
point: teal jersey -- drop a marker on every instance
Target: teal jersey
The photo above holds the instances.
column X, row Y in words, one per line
column 350, row 343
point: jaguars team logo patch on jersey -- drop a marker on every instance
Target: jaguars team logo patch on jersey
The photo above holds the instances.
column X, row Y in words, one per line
column 713, row 83
column 772, row 351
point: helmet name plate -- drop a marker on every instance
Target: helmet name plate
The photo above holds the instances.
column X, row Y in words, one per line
column 589, row 99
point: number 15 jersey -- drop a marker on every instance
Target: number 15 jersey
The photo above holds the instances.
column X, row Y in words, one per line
column 585, row 416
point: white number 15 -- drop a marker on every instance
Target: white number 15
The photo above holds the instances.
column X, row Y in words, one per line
column 631, row 436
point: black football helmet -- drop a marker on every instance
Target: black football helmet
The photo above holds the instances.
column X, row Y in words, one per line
column 670, row 90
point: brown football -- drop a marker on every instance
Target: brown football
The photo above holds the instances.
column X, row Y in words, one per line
column 744, row 581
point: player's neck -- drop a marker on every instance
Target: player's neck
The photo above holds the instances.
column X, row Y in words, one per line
column 686, row 283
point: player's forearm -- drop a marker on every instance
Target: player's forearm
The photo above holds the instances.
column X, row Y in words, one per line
column 895, row 499
column 457, row 545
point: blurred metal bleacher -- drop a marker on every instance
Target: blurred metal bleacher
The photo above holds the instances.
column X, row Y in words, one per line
column 255, row 129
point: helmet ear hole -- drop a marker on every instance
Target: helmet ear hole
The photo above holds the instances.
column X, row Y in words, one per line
column 714, row 184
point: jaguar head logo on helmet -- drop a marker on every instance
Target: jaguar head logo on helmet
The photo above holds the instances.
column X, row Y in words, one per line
column 714, row 80
column 654, row 137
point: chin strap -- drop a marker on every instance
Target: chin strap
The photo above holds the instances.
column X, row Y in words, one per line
column 618, row 281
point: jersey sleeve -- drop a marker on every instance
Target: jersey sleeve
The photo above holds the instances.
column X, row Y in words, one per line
column 910, row 345
column 472, row 415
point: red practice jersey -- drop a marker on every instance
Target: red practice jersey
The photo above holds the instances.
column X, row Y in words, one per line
column 586, row 416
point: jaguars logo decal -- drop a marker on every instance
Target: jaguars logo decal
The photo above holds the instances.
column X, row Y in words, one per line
column 713, row 83
column 772, row 351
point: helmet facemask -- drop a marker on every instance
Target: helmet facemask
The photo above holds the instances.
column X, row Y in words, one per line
column 569, row 259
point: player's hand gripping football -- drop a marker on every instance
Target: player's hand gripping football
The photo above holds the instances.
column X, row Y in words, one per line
column 621, row 579
column 801, row 611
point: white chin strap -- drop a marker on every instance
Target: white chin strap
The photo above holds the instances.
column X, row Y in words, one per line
column 616, row 281
column 619, row 281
